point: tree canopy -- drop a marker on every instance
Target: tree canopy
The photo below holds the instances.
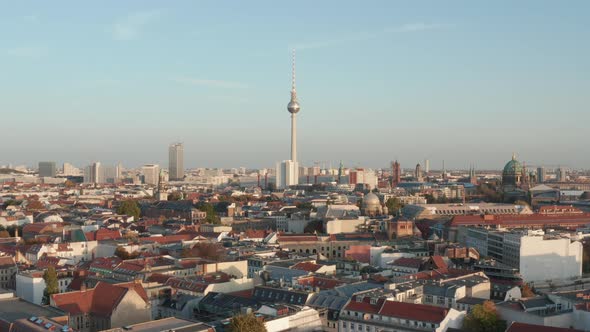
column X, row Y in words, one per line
column 175, row 196
column 246, row 323
column 484, row 318
column 208, row 208
column 393, row 205
column 51, row 285
column 122, row 253
column 205, row 250
column 129, row 208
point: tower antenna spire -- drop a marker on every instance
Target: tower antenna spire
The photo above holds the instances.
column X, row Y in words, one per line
column 293, row 74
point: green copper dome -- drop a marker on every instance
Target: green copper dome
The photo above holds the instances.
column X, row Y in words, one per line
column 512, row 172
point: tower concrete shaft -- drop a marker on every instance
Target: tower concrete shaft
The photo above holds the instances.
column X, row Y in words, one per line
column 294, row 137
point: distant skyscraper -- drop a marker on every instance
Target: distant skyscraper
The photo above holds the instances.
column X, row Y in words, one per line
column 93, row 173
column 561, row 174
column 418, row 173
column 150, row 174
column 47, row 169
column 288, row 171
column 70, row 170
column 541, row 174
column 396, row 174
column 176, row 162
column 427, row 166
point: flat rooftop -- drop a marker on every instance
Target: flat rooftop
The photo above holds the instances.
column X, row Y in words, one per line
column 166, row 324
column 15, row 308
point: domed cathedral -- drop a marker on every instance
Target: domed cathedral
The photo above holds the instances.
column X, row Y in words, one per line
column 371, row 205
column 515, row 180
column 512, row 175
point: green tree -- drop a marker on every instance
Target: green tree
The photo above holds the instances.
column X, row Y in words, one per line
column 129, row 208
column 51, row 286
column 369, row 269
column 393, row 206
column 246, row 323
column 175, row 196
column 484, row 318
column 11, row 202
column 212, row 217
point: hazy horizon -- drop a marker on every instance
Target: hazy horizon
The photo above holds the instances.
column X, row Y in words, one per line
column 468, row 83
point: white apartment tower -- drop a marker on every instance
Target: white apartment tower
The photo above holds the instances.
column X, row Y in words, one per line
column 150, row 173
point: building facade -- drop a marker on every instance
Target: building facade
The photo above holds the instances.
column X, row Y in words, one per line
column 176, row 162
column 47, row 169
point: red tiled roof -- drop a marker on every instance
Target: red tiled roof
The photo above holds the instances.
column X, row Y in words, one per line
column 522, row 327
column 100, row 300
column 408, row 262
column 297, row 238
column 418, row 312
column 321, row 283
column 47, row 261
column 306, row 266
column 439, row 262
column 255, row 234
column 245, row 293
column 103, row 234
column 106, row 263
column 159, row 278
column 7, row 261
column 168, row 238
column 365, row 306
column 510, row 220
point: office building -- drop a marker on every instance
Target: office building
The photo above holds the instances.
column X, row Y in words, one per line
column 538, row 256
column 561, row 174
column 70, row 170
column 287, row 174
column 150, row 174
column 176, row 162
column 47, row 169
column 541, row 175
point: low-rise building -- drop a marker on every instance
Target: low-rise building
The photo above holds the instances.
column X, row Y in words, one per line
column 365, row 313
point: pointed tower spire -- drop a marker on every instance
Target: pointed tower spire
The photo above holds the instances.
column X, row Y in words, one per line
column 293, row 88
column 293, row 106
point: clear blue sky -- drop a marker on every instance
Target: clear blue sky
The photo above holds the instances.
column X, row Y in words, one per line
column 464, row 81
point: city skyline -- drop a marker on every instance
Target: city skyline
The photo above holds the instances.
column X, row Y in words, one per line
column 374, row 91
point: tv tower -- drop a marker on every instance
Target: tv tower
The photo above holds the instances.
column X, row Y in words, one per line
column 293, row 108
column 288, row 170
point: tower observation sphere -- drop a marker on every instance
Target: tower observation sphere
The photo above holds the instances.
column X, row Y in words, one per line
column 293, row 106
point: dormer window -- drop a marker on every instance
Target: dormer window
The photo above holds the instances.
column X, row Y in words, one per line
column 359, row 298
